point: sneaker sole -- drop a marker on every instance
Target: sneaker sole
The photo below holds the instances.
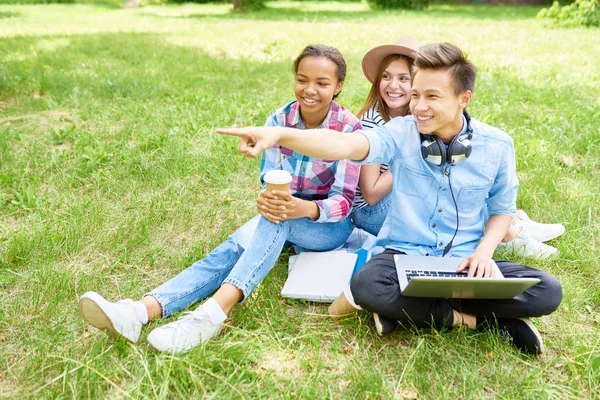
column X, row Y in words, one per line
column 379, row 326
column 94, row 314
column 520, row 250
column 542, row 256
column 549, row 237
column 159, row 346
column 542, row 348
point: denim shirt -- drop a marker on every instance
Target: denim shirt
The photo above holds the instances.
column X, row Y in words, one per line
column 422, row 218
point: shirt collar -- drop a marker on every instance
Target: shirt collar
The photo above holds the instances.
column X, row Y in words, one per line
column 297, row 118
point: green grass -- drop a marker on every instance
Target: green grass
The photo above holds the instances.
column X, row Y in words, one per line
column 112, row 179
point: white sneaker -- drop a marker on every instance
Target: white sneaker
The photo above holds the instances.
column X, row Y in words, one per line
column 186, row 333
column 539, row 231
column 113, row 318
column 525, row 245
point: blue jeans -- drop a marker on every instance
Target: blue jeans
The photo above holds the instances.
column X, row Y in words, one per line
column 245, row 258
column 370, row 218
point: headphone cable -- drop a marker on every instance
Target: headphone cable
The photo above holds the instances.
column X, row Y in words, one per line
column 449, row 245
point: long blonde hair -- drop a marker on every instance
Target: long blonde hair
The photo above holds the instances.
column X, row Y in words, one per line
column 374, row 97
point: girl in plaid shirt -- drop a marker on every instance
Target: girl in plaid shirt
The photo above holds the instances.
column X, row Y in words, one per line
column 313, row 215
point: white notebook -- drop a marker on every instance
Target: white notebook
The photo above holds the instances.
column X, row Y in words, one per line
column 318, row 276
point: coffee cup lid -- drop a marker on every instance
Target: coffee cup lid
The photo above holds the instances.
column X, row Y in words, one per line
column 278, row 177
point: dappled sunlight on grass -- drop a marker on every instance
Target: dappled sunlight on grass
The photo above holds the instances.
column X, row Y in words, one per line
column 482, row 12
column 574, row 189
column 79, row 19
column 183, row 10
column 321, row 6
column 51, row 45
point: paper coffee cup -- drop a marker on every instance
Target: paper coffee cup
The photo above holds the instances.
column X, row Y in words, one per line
column 277, row 179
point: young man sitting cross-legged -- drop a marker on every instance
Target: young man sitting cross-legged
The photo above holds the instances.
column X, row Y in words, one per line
column 443, row 164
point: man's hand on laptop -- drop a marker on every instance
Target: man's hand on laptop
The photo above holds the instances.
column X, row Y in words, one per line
column 479, row 265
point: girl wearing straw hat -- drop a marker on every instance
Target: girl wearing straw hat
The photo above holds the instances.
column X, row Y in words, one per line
column 388, row 68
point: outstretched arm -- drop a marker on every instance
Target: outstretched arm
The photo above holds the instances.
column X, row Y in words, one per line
column 318, row 143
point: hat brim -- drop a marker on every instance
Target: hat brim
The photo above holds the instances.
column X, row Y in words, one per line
column 372, row 60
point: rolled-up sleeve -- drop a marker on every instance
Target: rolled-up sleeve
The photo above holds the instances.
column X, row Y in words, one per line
column 384, row 142
column 503, row 193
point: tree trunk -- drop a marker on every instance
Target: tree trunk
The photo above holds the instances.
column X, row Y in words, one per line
column 237, row 5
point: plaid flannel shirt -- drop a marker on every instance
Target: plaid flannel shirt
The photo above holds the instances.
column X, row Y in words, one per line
column 330, row 184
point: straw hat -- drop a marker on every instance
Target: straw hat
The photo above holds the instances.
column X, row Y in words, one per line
column 406, row 45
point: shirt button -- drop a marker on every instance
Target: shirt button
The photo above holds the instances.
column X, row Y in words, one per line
column 441, row 244
column 443, row 189
column 439, row 210
column 302, row 169
column 433, row 225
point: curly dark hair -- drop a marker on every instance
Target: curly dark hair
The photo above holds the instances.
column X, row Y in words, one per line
column 331, row 53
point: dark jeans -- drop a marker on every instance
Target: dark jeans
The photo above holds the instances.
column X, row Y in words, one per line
column 375, row 288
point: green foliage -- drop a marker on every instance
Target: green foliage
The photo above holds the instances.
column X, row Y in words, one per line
column 405, row 4
column 253, row 5
column 105, row 3
column 337, row 1
column 110, row 3
column 37, row 2
column 578, row 13
column 195, row 1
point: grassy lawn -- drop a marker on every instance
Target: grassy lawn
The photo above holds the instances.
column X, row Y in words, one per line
column 112, row 179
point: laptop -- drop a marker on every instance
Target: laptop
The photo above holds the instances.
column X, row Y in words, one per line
column 319, row 276
column 421, row 276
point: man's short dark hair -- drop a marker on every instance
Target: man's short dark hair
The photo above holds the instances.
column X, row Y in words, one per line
column 447, row 57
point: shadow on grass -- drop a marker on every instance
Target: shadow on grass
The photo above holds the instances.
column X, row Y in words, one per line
column 9, row 14
column 105, row 66
column 475, row 13
column 103, row 70
column 175, row 93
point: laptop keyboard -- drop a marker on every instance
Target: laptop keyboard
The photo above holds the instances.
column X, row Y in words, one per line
column 412, row 273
